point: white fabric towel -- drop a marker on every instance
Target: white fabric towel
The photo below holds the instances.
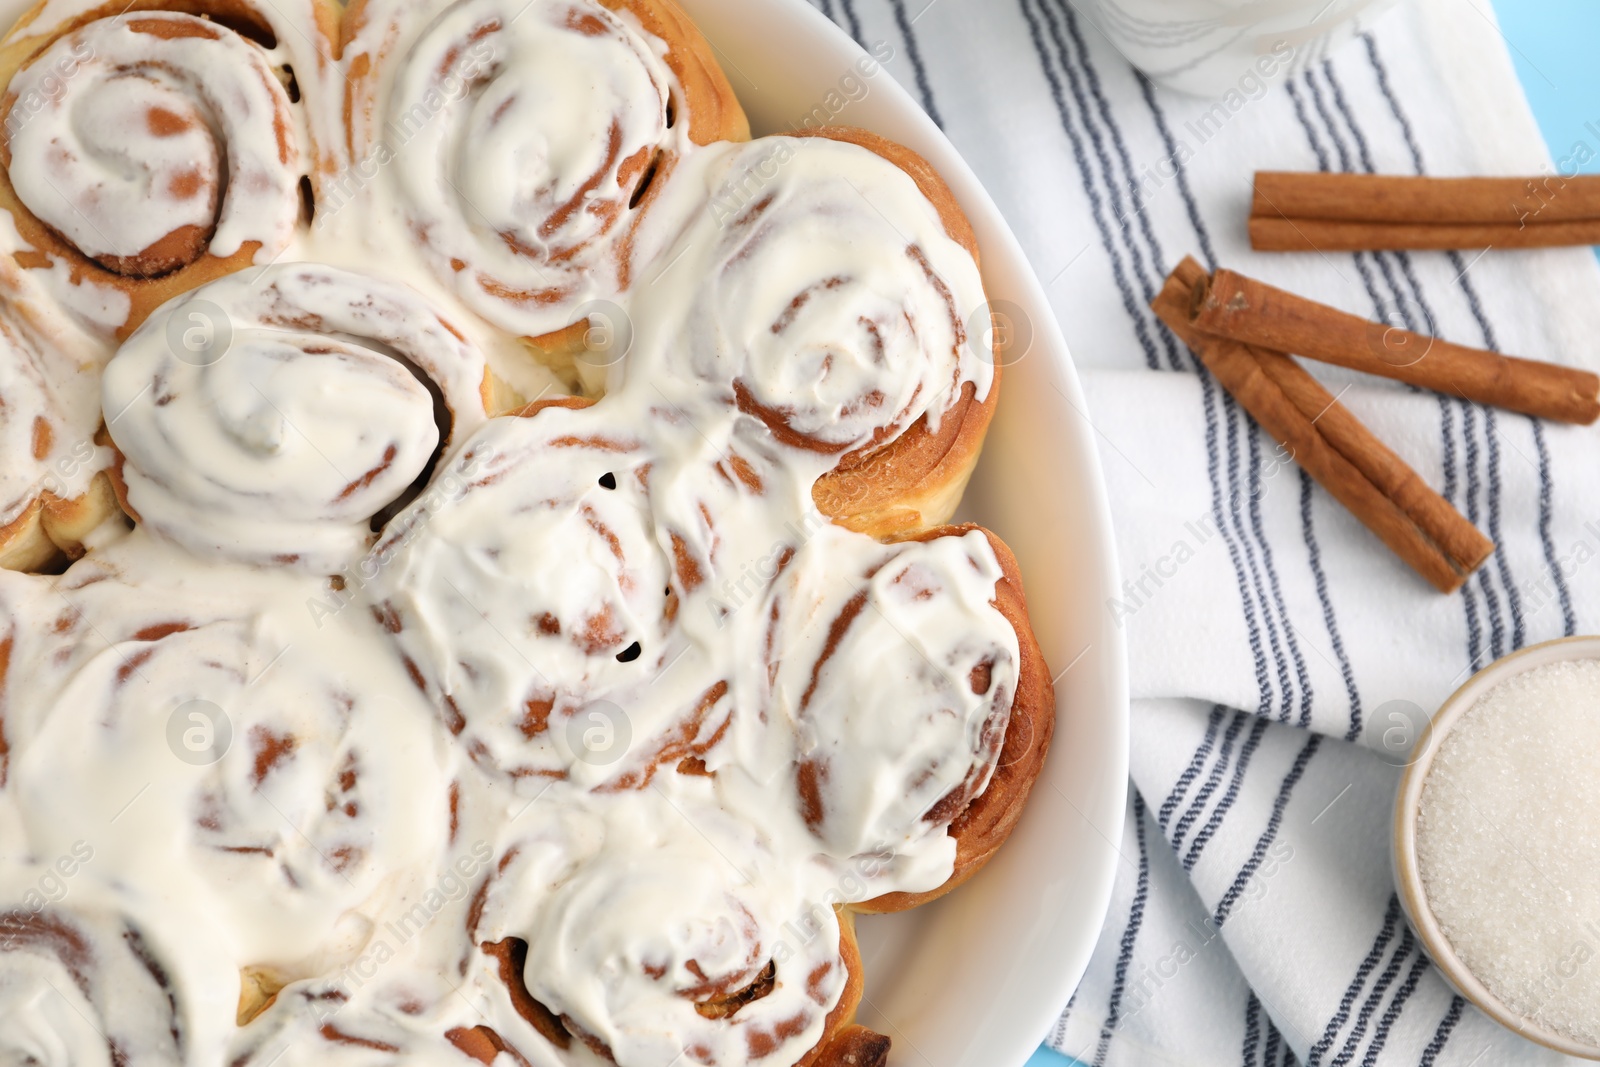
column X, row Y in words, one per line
column 1271, row 636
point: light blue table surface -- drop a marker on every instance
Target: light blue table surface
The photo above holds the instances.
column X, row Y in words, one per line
column 1552, row 43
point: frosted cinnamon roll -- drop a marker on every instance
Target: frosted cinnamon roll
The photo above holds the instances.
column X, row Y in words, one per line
column 149, row 148
column 399, row 1002
column 53, row 486
column 267, row 776
column 921, row 707
column 323, row 1032
column 643, row 943
column 83, row 987
column 525, row 138
column 280, row 416
column 537, row 600
column 833, row 283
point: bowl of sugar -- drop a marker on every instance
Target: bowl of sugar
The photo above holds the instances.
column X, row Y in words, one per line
column 1497, row 843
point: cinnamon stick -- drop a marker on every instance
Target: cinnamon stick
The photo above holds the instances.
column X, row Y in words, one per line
column 1397, row 198
column 1391, row 475
column 1276, row 234
column 1346, row 212
column 1343, row 456
column 1243, row 309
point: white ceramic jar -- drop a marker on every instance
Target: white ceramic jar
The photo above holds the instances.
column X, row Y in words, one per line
column 1209, row 47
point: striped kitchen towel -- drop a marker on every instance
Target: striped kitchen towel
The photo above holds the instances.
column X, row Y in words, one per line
column 1273, row 640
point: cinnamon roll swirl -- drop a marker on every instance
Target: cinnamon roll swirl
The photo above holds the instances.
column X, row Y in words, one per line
column 921, row 704
column 149, row 148
column 529, row 135
column 82, row 987
column 547, row 563
column 644, row 944
column 277, row 417
column 836, row 278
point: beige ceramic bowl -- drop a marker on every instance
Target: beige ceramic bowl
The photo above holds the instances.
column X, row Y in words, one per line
column 1407, row 877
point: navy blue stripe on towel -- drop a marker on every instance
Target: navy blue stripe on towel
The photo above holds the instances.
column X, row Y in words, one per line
column 852, row 20
column 914, row 54
column 1191, row 857
column 1236, row 723
column 1197, row 761
column 1270, row 834
column 1441, row 1036
column 1252, row 1029
column 1130, row 934
column 1352, row 1042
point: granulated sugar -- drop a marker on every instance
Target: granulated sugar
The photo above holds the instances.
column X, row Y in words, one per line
column 1508, row 844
